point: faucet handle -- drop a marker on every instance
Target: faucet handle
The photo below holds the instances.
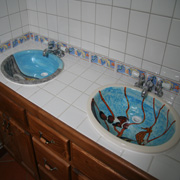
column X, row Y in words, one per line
column 51, row 45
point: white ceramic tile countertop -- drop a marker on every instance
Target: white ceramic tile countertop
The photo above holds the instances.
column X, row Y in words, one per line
column 65, row 97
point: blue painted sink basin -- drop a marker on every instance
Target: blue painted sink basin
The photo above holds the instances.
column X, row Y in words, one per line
column 32, row 63
column 31, row 67
column 122, row 116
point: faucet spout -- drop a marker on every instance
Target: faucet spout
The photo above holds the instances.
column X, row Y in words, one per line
column 144, row 92
column 45, row 53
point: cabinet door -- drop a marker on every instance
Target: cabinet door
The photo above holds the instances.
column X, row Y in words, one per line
column 8, row 136
column 26, row 152
column 77, row 175
column 50, row 164
column 92, row 167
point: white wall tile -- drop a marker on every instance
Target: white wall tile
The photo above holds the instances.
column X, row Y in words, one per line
column 103, row 15
column 135, row 45
column 5, row 37
column 42, row 19
column 63, row 38
column 88, row 46
column 41, row 5
column 31, row 4
column 63, row 25
column 122, row 3
column 171, row 58
column 116, row 55
column 120, row 18
column 102, row 36
column 4, row 25
column 151, row 67
column 24, row 18
column 90, row 0
column 13, row 6
column 62, row 8
column 25, row 29
column 118, row 40
column 33, row 18
column 88, row 32
column 43, row 32
column 101, row 50
column 163, row 7
column 138, row 23
column 141, row 5
column 177, row 10
column 108, row 2
column 174, row 36
column 53, row 35
column 75, row 9
column 169, row 73
column 17, row 33
column 22, row 5
column 159, row 27
column 75, row 42
column 3, row 8
column 133, row 61
column 75, row 28
column 51, row 6
column 88, row 12
column 52, row 22
column 154, row 51
column 15, row 21
column 33, row 29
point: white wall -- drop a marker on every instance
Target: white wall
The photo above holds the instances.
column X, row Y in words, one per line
column 13, row 19
column 142, row 33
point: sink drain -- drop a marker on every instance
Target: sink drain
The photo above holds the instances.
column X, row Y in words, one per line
column 137, row 119
column 44, row 74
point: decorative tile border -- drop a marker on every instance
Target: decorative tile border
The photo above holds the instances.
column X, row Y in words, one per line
column 97, row 59
column 20, row 40
column 108, row 63
column 127, row 70
column 5, row 46
column 80, row 53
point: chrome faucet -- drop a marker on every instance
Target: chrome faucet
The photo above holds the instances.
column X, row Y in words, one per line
column 148, row 86
column 54, row 49
column 158, row 89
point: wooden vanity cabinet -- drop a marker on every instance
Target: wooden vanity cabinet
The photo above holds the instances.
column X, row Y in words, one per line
column 51, row 150
column 8, row 137
column 14, row 133
column 90, row 166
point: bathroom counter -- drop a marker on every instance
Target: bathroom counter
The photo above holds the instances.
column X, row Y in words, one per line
column 65, row 97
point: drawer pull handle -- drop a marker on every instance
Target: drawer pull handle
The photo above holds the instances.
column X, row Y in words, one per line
column 48, row 167
column 44, row 140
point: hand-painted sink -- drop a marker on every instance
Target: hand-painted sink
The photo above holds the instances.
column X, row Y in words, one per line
column 122, row 116
column 31, row 67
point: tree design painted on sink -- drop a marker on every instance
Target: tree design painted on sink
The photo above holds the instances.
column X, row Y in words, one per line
column 124, row 113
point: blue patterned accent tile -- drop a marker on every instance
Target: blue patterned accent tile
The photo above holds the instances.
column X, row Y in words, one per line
column 43, row 39
column 80, row 53
column 31, row 35
column 5, row 46
column 103, row 61
column 37, row 38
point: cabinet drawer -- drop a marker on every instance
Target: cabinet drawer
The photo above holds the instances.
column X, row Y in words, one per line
column 12, row 110
column 50, row 163
column 90, row 166
column 49, row 137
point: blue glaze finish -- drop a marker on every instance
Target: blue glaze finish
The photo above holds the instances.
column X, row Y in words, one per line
column 32, row 63
column 117, row 102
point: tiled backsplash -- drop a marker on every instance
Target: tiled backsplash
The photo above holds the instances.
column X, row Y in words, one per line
column 139, row 33
column 13, row 19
